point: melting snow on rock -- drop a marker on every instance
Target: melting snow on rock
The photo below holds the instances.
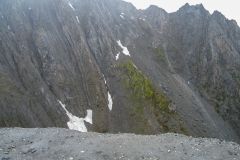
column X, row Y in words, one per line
column 77, row 19
column 75, row 122
column 117, row 56
column 104, row 79
column 110, row 102
column 135, row 66
column 125, row 50
column 71, row 5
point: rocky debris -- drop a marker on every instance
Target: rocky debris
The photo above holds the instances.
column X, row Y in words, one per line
column 56, row 143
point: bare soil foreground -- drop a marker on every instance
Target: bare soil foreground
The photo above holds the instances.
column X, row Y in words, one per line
column 56, row 143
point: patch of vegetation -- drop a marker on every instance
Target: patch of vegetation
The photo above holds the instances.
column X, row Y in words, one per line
column 220, row 96
column 144, row 95
column 224, row 96
column 217, row 107
column 236, row 77
column 8, row 88
column 160, row 53
column 182, row 128
column 141, row 88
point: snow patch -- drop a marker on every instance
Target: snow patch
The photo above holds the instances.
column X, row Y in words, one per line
column 29, row 8
column 122, row 13
column 88, row 118
column 125, row 50
column 75, row 122
column 117, row 56
column 135, row 66
column 122, row 16
column 42, row 89
column 77, row 19
column 71, row 6
column 110, row 102
column 104, row 79
column 8, row 27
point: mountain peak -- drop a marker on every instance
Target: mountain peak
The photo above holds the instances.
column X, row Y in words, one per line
column 155, row 8
column 217, row 13
column 188, row 7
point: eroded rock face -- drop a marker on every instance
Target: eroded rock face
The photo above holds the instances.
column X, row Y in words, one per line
column 187, row 64
column 208, row 46
column 46, row 57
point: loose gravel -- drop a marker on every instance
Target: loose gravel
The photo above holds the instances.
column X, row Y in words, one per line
column 64, row 144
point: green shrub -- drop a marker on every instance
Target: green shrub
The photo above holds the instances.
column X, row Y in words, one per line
column 142, row 93
column 142, row 88
column 160, row 53
column 217, row 107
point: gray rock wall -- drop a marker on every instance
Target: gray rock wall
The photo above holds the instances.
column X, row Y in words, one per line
column 64, row 51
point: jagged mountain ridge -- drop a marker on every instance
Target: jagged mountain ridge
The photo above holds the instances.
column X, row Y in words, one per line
column 65, row 50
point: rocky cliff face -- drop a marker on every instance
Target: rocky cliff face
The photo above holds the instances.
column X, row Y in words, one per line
column 209, row 48
column 138, row 71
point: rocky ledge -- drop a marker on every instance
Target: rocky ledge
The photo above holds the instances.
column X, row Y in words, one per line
column 56, row 143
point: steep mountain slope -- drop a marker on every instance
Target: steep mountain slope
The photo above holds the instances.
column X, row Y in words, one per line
column 204, row 50
column 137, row 71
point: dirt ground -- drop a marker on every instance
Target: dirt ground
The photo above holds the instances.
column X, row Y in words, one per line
column 56, row 143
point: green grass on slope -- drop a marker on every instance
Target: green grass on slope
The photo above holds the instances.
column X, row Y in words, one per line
column 144, row 95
